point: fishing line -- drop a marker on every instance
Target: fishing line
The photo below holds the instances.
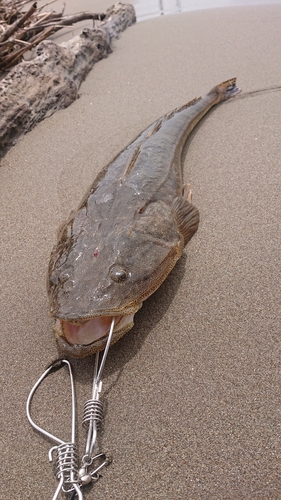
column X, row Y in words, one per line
column 255, row 93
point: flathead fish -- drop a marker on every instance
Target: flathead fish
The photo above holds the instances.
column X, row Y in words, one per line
column 127, row 234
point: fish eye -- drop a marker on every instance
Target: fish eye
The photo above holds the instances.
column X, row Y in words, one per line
column 118, row 274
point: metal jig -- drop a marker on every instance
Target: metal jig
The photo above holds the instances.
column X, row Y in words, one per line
column 71, row 478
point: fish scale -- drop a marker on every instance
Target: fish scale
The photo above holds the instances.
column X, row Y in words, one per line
column 127, row 234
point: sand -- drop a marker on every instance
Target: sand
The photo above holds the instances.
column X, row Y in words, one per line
column 192, row 393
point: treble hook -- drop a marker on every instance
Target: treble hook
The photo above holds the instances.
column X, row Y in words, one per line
column 67, row 457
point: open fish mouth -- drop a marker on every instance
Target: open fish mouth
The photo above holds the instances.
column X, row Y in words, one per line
column 81, row 338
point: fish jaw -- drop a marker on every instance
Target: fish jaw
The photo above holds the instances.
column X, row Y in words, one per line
column 85, row 338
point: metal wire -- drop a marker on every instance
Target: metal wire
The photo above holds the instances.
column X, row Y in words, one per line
column 67, row 457
column 56, row 365
column 70, row 477
column 93, row 411
column 67, row 463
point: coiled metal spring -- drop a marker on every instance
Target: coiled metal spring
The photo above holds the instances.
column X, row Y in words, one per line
column 93, row 412
column 71, row 477
column 67, row 464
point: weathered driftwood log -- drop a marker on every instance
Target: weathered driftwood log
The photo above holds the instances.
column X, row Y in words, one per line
column 36, row 89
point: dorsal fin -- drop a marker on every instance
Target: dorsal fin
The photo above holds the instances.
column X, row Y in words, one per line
column 155, row 128
column 158, row 123
column 181, row 108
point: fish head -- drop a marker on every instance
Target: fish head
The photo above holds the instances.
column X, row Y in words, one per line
column 104, row 270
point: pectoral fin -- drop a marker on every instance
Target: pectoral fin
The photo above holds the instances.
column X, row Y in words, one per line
column 186, row 216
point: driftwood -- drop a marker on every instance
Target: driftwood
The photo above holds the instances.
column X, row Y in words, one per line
column 21, row 31
column 35, row 89
column 18, row 23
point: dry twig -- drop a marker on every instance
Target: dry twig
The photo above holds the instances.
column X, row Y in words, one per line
column 35, row 89
column 31, row 27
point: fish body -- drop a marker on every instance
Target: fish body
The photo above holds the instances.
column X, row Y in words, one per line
column 127, row 234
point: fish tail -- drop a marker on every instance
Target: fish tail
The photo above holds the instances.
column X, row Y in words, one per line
column 225, row 90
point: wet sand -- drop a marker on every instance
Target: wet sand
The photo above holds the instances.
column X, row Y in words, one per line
column 192, row 393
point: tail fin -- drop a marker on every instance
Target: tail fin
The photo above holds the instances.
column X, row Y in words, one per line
column 226, row 89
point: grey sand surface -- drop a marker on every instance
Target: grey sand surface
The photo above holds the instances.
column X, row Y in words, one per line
column 192, row 393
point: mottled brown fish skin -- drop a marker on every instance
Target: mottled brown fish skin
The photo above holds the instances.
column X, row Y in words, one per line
column 127, row 234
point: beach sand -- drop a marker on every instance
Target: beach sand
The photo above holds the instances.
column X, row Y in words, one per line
column 193, row 393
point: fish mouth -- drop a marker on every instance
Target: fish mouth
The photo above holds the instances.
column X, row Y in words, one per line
column 80, row 338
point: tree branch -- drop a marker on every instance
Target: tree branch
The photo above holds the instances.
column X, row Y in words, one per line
column 18, row 23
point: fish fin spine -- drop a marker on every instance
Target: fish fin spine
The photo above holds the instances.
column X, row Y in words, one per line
column 181, row 108
column 157, row 125
column 130, row 165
